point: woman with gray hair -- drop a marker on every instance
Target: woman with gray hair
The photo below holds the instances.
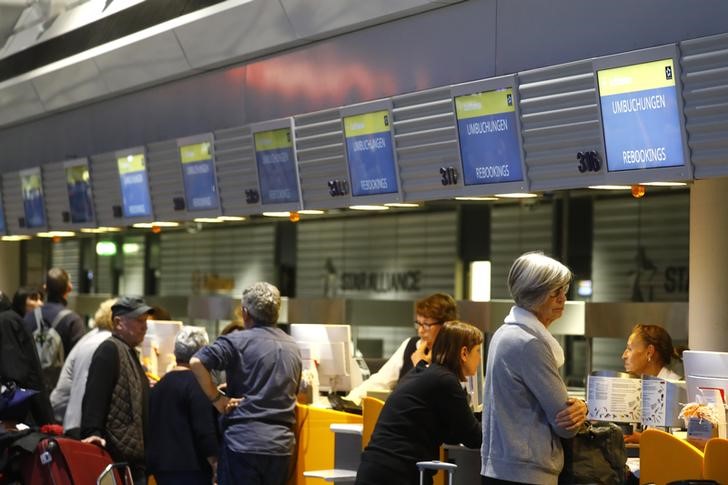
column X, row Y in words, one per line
column 527, row 409
column 263, row 367
column 182, row 443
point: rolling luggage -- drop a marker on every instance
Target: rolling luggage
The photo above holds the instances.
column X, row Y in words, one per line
column 64, row 461
column 436, row 465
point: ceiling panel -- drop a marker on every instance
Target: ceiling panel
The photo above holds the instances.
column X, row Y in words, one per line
column 150, row 59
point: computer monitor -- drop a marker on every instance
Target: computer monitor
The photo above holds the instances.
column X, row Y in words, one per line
column 706, row 370
column 332, row 349
column 474, row 387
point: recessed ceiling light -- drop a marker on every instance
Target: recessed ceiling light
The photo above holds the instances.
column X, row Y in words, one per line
column 517, row 195
column 610, row 187
column 277, row 214
column 665, row 184
column 369, row 207
column 402, row 204
column 312, row 212
column 476, row 198
column 15, row 238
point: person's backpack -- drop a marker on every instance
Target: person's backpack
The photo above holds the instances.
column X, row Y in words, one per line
column 49, row 346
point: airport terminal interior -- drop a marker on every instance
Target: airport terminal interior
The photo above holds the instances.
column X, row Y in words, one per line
column 363, row 155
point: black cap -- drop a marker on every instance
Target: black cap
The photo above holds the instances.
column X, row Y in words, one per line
column 129, row 306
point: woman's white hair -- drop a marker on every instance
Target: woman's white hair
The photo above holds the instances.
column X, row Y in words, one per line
column 263, row 302
column 533, row 276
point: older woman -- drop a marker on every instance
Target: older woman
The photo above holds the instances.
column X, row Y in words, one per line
column 430, row 313
column 428, row 408
column 649, row 352
column 182, row 447
column 263, row 369
column 527, row 409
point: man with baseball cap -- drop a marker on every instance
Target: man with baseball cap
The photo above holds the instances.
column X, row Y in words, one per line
column 116, row 403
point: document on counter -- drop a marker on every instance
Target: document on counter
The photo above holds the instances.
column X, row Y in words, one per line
column 614, row 399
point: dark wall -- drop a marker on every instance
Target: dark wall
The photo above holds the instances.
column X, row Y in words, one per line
column 471, row 40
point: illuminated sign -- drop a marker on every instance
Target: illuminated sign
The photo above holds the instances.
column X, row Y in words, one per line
column 641, row 116
column 198, row 173
column 33, row 202
column 136, row 201
column 276, row 162
column 370, row 154
column 78, row 183
column 488, row 137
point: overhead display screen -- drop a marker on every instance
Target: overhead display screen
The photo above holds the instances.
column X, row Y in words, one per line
column 134, row 186
column 370, row 154
column 641, row 116
column 198, row 173
column 488, row 137
column 78, row 183
column 276, row 162
column 33, row 202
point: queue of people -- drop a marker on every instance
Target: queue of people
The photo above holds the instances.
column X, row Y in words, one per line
column 190, row 429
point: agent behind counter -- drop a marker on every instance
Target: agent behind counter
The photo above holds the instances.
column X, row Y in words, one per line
column 431, row 313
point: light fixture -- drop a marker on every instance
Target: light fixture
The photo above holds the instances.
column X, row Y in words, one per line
column 665, row 184
column 99, row 230
column 480, row 281
column 53, row 234
column 368, row 207
column 130, row 248
column 477, row 198
column 105, row 248
column 311, row 212
column 277, row 214
column 15, row 238
column 610, row 187
column 231, row 218
column 402, row 204
column 148, row 225
column 211, row 220
column 517, row 195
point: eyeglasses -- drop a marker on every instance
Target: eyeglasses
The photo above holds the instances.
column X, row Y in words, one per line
column 425, row 325
column 563, row 291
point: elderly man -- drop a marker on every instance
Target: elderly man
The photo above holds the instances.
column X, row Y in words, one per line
column 116, row 402
column 263, row 368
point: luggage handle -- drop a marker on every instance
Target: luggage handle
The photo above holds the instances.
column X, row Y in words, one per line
column 108, row 477
column 436, row 465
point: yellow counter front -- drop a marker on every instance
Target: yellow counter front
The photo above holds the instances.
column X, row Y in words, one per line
column 315, row 440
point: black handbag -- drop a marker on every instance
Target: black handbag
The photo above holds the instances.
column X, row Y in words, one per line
column 595, row 455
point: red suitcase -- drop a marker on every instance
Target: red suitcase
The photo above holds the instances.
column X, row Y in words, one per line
column 64, row 461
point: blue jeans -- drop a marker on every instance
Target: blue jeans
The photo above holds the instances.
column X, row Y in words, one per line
column 251, row 469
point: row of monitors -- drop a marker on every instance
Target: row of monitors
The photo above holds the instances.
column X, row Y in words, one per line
column 642, row 123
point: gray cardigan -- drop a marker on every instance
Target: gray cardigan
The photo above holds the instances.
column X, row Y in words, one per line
column 522, row 395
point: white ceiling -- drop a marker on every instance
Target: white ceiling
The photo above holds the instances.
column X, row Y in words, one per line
column 223, row 34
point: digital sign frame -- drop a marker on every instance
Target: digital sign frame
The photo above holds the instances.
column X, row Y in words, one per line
column 276, row 165
column 490, row 145
column 370, row 153
column 199, row 176
column 81, row 208
column 641, row 114
column 136, row 199
column 34, row 210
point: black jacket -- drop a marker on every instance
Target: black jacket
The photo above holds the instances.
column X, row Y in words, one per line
column 19, row 362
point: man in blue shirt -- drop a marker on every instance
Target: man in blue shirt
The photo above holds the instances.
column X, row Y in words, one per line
column 263, row 369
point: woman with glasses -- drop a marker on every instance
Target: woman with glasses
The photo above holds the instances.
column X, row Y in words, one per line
column 526, row 407
column 429, row 407
column 431, row 312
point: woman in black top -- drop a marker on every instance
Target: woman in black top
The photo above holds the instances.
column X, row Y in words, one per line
column 428, row 407
column 182, row 446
